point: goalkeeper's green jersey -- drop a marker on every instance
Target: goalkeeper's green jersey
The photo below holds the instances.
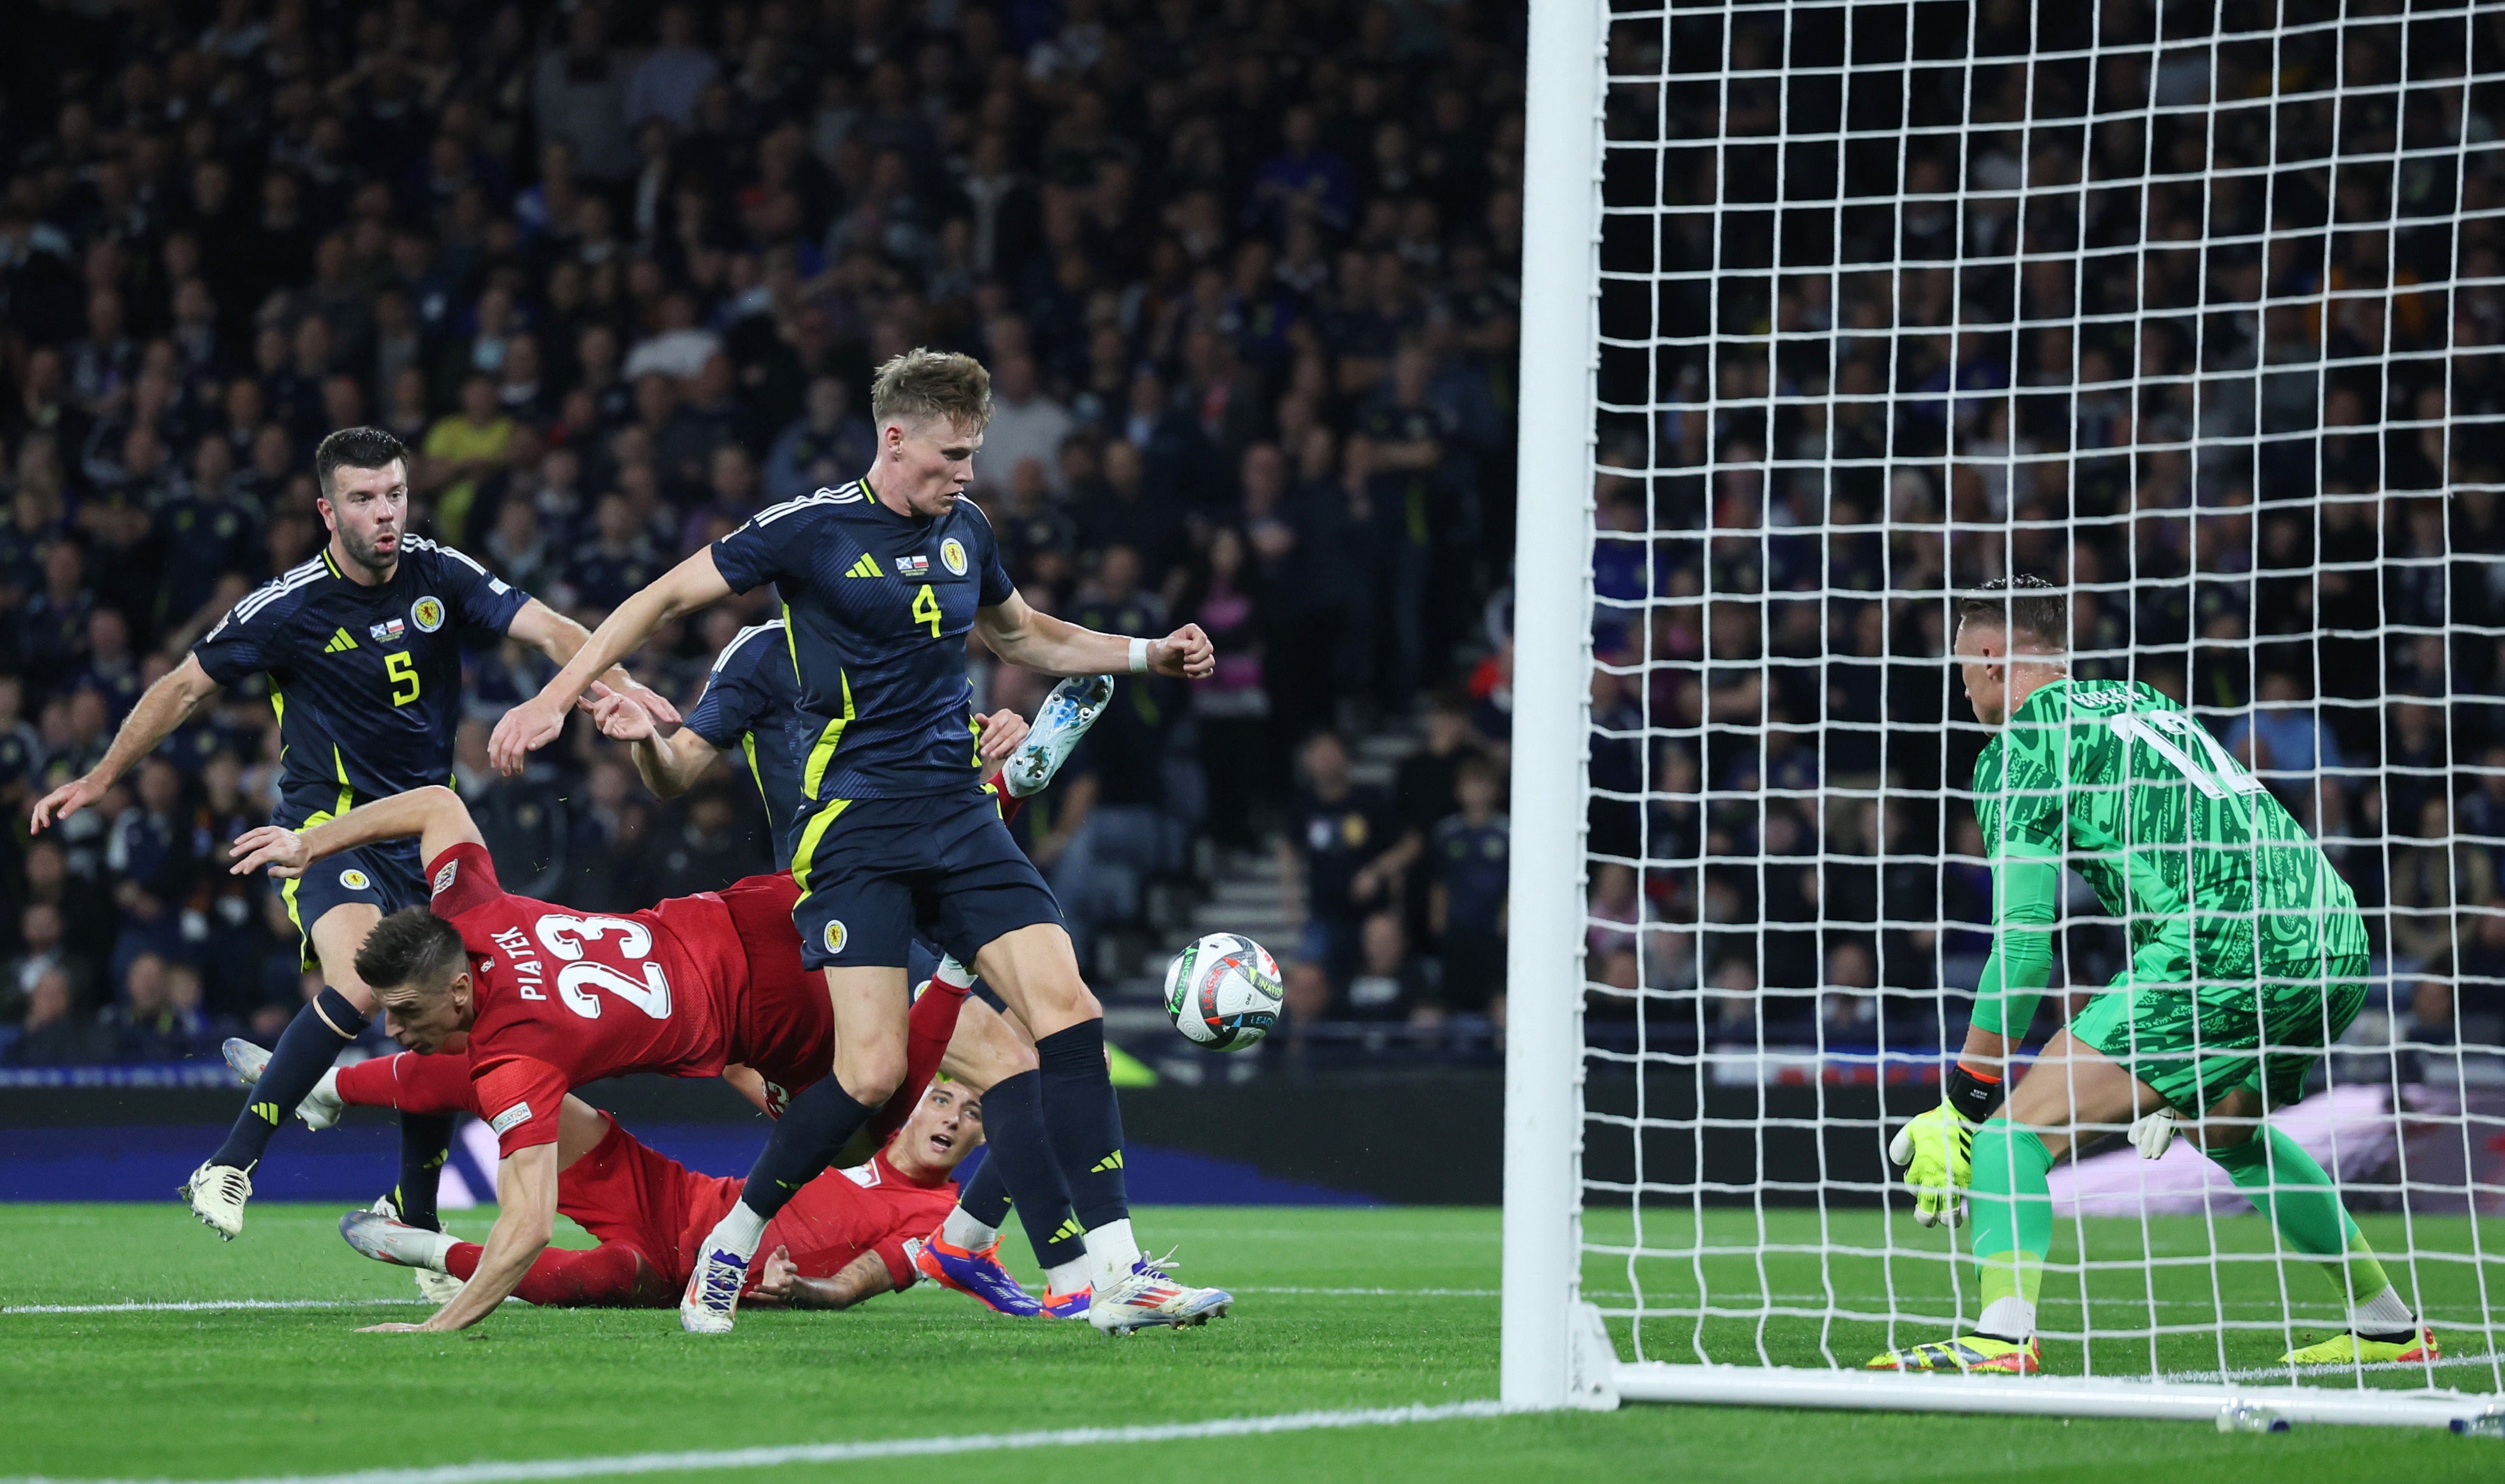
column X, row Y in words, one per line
column 2211, row 876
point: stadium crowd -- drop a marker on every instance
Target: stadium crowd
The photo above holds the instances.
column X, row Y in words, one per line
column 1245, row 274
column 2235, row 399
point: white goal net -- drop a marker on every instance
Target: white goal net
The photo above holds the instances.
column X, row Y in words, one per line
column 1836, row 311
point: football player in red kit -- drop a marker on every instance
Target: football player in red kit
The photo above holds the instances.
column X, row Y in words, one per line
column 548, row 998
column 842, row 1238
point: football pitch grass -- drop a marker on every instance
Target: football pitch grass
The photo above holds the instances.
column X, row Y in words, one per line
column 1339, row 1311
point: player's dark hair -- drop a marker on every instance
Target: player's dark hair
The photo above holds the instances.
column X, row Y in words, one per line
column 932, row 385
column 2024, row 604
column 356, row 448
column 411, row 946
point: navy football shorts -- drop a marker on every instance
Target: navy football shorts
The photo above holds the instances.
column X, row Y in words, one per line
column 386, row 875
column 871, row 870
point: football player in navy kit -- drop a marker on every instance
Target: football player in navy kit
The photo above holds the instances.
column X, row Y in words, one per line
column 751, row 703
column 362, row 648
column 880, row 581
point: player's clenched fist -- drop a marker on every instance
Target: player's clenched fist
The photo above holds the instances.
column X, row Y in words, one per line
column 1186, row 654
column 1936, row 1152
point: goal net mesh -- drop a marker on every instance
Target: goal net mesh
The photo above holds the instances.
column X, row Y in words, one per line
column 2197, row 311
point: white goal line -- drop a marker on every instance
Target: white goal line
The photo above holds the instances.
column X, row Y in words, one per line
column 499, row 1471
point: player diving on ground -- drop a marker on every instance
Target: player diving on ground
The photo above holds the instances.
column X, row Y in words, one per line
column 751, row 708
column 2247, row 956
column 545, row 999
column 881, row 581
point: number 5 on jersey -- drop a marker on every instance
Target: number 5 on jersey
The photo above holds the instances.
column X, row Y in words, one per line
column 400, row 667
column 926, row 608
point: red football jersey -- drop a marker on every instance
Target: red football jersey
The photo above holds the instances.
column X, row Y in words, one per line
column 566, row 997
column 843, row 1213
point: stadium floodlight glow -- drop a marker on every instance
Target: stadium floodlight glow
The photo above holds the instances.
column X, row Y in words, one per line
column 1832, row 311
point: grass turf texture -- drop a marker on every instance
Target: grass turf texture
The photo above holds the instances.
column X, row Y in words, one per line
column 255, row 1392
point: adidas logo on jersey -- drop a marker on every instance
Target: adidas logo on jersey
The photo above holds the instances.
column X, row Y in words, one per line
column 867, row 566
column 340, row 644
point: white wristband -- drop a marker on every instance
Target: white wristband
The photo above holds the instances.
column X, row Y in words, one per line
column 1139, row 657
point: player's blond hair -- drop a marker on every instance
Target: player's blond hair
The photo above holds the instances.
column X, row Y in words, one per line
column 925, row 385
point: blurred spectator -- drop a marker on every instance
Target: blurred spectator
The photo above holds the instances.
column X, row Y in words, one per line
column 830, row 444
column 53, row 1033
column 1391, row 984
column 1334, row 849
column 1469, row 859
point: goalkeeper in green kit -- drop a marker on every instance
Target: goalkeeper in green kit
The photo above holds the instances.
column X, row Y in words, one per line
column 2247, row 956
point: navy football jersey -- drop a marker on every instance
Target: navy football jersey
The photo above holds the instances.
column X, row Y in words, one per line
column 367, row 681
column 876, row 606
column 751, row 701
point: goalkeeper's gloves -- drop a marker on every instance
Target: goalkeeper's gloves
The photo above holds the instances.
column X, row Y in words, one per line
column 1936, row 1152
column 2152, row 1134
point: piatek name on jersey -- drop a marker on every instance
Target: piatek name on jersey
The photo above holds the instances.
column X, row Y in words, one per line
column 530, row 979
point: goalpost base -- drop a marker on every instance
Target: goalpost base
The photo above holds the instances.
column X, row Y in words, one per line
column 2046, row 1396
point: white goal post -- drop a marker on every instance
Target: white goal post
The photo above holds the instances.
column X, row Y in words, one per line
column 1832, row 310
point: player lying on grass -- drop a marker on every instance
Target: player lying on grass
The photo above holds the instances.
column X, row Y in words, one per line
column 2247, row 956
column 751, row 707
column 843, row 1238
column 550, row 999
column 882, row 580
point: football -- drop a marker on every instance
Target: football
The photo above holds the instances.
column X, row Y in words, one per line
column 1222, row 992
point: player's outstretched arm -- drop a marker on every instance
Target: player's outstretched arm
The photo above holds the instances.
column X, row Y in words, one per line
column 865, row 1277
column 668, row 766
column 692, row 585
column 166, row 705
column 525, row 1223
column 1937, row 1148
column 560, row 639
column 1054, row 646
column 435, row 814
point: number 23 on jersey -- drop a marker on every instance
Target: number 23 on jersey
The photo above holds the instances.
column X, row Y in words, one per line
column 564, row 937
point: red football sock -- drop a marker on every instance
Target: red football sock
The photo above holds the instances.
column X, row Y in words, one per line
column 410, row 1082
column 928, row 1032
column 609, row 1276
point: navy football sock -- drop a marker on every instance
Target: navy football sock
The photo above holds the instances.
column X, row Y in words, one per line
column 425, row 1141
column 1019, row 1170
column 813, row 1130
column 310, row 1044
column 1084, row 1121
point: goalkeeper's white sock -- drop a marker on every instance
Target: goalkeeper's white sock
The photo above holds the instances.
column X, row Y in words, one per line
column 2008, row 1319
column 2382, row 1314
column 961, row 1229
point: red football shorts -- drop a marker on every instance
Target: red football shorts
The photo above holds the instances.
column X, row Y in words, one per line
column 784, row 1026
column 625, row 1191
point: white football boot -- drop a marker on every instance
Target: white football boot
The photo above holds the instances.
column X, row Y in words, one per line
column 379, row 1237
column 216, row 1194
column 1059, row 723
column 1145, row 1296
column 711, row 1304
column 321, row 1107
column 433, row 1285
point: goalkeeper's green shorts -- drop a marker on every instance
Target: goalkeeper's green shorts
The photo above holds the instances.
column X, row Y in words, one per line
column 2197, row 1047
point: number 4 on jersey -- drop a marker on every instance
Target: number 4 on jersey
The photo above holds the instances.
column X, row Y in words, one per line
column 926, row 608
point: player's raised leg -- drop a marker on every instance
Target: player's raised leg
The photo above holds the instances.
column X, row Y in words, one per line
column 1035, row 971
column 324, row 1027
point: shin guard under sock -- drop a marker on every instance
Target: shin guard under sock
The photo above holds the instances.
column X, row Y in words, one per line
column 425, row 1141
column 813, row 1128
column 310, row 1044
column 2286, row 1184
column 2012, row 1196
column 1084, row 1121
column 1019, row 1165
